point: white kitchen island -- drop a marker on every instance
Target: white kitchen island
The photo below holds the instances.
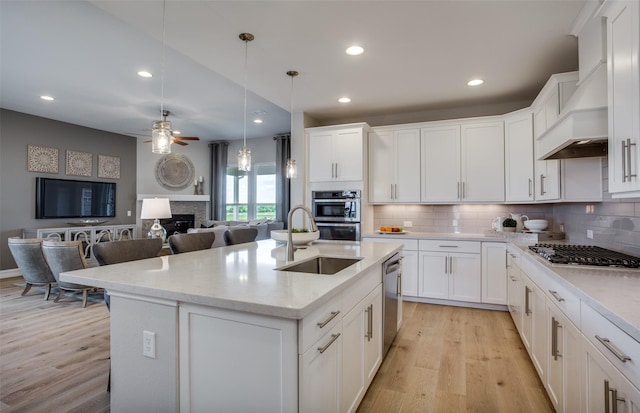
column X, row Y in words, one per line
column 221, row 330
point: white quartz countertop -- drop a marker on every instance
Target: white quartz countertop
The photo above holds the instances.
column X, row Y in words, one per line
column 240, row 277
column 614, row 293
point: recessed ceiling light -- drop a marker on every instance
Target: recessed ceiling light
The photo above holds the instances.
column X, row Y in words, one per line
column 45, row 97
column 257, row 120
column 354, row 50
column 344, row 100
column 475, row 82
column 144, row 73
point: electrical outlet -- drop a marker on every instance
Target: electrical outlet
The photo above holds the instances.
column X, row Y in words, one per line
column 149, row 344
column 408, row 224
column 128, row 213
column 589, row 234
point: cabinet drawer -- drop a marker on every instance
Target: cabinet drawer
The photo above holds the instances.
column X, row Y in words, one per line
column 566, row 301
column 319, row 322
column 617, row 344
column 450, row 246
column 363, row 286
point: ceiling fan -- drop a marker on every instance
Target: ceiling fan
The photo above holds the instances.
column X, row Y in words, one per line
column 176, row 139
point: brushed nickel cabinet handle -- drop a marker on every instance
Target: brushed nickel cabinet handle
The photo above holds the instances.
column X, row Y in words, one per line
column 448, row 246
column 624, row 161
column 542, row 191
column 333, row 315
column 629, row 166
column 555, row 325
column 612, row 348
column 606, row 396
column 370, row 326
column 324, row 348
column 527, row 290
column 556, row 296
column 450, row 265
column 399, row 285
column 458, row 189
column 615, row 399
column 463, row 192
column 336, row 170
column 530, row 186
column 445, row 266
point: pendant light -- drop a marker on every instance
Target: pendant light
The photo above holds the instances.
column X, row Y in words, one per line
column 292, row 168
column 244, row 154
column 161, row 129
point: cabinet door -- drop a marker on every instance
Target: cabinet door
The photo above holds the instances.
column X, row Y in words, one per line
column 434, row 277
column 547, row 180
column 410, row 273
column 534, row 328
column 320, row 156
column 623, row 47
column 465, row 277
column 320, row 374
column 603, row 382
column 407, row 161
column 374, row 340
column 354, row 328
column 381, row 166
column 518, row 135
column 564, row 361
column 514, row 291
column 494, row 273
column 482, row 162
column 440, row 147
column 347, row 154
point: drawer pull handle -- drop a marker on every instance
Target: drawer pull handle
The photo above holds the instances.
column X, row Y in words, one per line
column 614, row 398
column 324, row 348
column 447, row 246
column 328, row 320
column 612, row 348
column 527, row 310
column 556, row 295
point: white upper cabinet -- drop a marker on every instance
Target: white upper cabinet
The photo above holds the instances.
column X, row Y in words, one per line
column 482, row 162
column 518, row 139
column 623, row 47
column 336, row 153
column 441, row 163
column 463, row 162
column 394, row 166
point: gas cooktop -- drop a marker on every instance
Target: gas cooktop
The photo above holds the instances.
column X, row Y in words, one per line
column 584, row 255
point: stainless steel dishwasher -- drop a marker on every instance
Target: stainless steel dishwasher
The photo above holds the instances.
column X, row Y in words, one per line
column 392, row 285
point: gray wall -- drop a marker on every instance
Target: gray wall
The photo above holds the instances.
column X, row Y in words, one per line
column 17, row 185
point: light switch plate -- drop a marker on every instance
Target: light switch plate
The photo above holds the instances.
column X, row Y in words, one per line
column 149, row 344
column 590, row 234
column 408, row 224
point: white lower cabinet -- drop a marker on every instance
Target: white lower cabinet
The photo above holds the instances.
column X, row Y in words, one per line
column 534, row 329
column 450, row 275
column 563, row 354
column 515, row 298
column 494, row 273
column 320, row 374
column 362, row 348
column 606, row 389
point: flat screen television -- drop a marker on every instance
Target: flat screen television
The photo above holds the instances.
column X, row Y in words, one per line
column 67, row 198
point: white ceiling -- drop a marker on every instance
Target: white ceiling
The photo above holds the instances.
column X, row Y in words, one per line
column 418, row 57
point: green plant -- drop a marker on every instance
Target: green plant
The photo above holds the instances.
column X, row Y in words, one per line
column 295, row 230
column 509, row 223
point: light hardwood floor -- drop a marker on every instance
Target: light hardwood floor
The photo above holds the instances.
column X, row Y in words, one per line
column 54, row 357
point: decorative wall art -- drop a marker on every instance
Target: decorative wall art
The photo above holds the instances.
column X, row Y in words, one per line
column 42, row 159
column 175, row 172
column 79, row 163
column 108, row 167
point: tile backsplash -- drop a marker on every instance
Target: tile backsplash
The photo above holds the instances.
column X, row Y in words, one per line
column 615, row 224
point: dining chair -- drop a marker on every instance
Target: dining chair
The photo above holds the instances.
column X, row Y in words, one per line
column 180, row 243
column 234, row 236
column 27, row 253
column 65, row 256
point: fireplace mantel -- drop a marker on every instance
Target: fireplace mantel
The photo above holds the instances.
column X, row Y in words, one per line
column 177, row 197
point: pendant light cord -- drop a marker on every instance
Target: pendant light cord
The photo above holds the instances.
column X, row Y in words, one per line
column 246, row 47
column 164, row 7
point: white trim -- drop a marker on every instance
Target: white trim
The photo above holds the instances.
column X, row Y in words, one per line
column 176, row 197
column 14, row 272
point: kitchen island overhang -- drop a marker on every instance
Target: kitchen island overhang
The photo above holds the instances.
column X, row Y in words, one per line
column 237, row 292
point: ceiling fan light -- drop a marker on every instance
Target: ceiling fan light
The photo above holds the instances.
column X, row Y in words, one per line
column 244, row 159
column 161, row 137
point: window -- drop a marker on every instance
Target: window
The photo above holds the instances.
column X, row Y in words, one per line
column 251, row 195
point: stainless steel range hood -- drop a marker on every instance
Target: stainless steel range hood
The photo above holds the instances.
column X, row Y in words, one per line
column 581, row 130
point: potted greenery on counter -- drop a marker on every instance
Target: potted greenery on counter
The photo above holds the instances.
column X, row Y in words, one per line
column 509, row 225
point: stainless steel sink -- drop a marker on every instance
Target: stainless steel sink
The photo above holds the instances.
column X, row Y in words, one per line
column 320, row 265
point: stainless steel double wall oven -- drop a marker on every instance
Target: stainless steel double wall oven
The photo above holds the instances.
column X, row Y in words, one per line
column 337, row 214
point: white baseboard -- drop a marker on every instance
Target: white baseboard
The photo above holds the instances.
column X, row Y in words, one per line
column 9, row 273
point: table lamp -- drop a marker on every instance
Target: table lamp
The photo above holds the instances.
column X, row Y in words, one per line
column 156, row 208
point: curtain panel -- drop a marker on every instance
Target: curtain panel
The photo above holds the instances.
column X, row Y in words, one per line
column 283, row 185
column 218, row 180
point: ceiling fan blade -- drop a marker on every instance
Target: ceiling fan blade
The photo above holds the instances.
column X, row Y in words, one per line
column 186, row 138
column 149, row 141
column 180, row 143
